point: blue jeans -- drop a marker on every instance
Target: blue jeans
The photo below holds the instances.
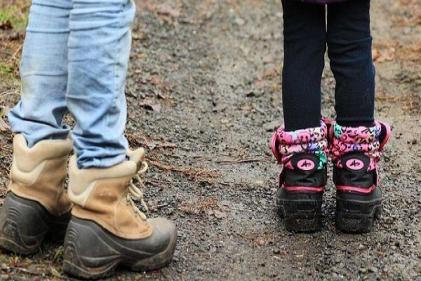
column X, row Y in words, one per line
column 75, row 60
column 346, row 33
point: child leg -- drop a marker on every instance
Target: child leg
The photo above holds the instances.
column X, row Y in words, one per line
column 301, row 146
column 304, row 48
column 357, row 140
column 349, row 48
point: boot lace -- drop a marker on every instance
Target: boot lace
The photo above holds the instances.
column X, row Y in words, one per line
column 136, row 192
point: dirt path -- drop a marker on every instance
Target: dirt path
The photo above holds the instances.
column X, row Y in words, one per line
column 204, row 97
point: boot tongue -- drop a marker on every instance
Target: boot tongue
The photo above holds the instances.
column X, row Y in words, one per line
column 355, row 162
column 305, row 162
column 136, row 156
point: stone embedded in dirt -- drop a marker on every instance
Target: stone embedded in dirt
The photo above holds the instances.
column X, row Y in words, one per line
column 373, row 269
column 225, row 203
column 254, row 93
column 240, row 21
column 219, row 214
column 271, row 126
column 259, row 183
column 3, row 266
column 150, row 104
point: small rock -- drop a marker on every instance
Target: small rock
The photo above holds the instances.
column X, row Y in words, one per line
column 271, row 126
column 240, row 21
column 219, row 214
column 260, row 242
column 259, row 183
column 373, row 269
column 225, row 203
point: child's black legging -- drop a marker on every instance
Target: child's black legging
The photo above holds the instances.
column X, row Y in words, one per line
column 347, row 36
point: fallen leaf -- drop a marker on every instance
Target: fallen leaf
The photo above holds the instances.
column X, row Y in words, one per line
column 167, row 10
column 381, row 55
column 54, row 272
column 4, row 127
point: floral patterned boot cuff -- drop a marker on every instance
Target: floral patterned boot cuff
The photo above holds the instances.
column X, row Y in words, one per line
column 285, row 144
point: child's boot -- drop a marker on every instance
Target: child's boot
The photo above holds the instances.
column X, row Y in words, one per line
column 36, row 203
column 356, row 152
column 107, row 229
column 303, row 156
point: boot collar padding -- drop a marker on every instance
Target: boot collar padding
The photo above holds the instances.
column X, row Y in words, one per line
column 136, row 156
column 27, row 159
column 83, row 181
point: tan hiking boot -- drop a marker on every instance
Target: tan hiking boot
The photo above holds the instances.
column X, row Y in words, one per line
column 36, row 203
column 107, row 229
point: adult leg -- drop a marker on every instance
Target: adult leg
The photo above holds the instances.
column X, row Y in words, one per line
column 349, row 48
column 304, row 48
column 106, row 228
column 39, row 113
column 99, row 47
column 36, row 202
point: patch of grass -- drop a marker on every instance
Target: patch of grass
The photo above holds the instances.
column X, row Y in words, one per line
column 13, row 20
column 13, row 17
column 5, row 69
column 9, row 68
column 8, row 73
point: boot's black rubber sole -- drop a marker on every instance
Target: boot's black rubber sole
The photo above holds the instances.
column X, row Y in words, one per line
column 356, row 213
column 106, row 252
column 24, row 225
column 301, row 211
